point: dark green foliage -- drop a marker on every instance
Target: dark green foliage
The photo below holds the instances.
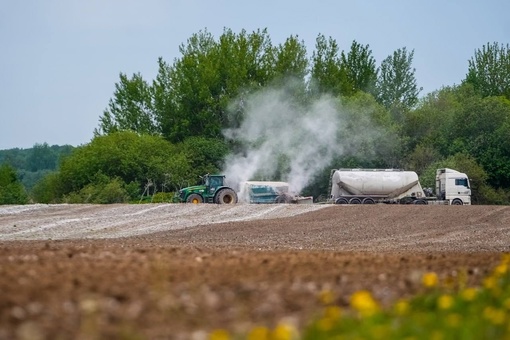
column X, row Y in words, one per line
column 489, row 70
column 42, row 157
column 131, row 109
column 11, row 189
column 205, row 155
column 141, row 159
column 48, row 189
column 397, row 88
column 34, row 163
column 359, row 66
column 328, row 76
column 102, row 190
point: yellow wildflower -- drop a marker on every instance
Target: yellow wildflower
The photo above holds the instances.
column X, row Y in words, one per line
column 490, row 282
column 496, row 316
column 259, row 333
column 332, row 312
column 445, row 301
column 401, row 307
column 506, row 303
column 364, row 303
column 430, row 279
column 501, row 269
column 219, row 334
column 284, row 332
column 469, row 294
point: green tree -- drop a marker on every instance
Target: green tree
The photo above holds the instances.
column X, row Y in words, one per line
column 397, row 88
column 11, row 189
column 205, row 155
column 42, row 157
column 327, row 74
column 130, row 109
column 483, row 129
column 489, row 70
column 48, row 189
column 359, row 66
column 431, row 123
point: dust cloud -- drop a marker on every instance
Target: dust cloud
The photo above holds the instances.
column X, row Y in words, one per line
column 280, row 135
column 284, row 140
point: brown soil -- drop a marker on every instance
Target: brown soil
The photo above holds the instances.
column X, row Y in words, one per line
column 179, row 271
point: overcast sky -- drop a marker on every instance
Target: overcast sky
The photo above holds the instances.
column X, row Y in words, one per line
column 60, row 59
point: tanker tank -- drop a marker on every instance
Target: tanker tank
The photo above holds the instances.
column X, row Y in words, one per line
column 374, row 185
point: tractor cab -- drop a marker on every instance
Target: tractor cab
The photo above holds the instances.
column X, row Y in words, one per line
column 213, row 182
column 212, row 190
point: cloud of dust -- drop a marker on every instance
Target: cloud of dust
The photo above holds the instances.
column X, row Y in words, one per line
column 278, row 127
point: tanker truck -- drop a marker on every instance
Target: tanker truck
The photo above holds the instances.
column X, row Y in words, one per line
column 370, row 186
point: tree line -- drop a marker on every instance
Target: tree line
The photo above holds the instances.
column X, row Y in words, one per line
column 157, row 136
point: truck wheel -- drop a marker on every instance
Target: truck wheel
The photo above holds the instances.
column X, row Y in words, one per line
column 368, row 200
column 195, row 198
column 226, row 196
column 282, row 199
column 355, row 200
column 457, row 202
column 420, row 202
column 341, row 200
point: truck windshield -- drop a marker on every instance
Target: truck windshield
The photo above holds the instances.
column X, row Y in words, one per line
column 462, row 181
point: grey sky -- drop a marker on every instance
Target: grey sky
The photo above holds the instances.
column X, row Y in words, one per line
column 60, row 59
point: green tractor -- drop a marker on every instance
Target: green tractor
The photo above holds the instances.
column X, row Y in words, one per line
column 213, row 190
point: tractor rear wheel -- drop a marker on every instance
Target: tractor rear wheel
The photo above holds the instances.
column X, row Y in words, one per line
column 195, row 198
column 226, row 196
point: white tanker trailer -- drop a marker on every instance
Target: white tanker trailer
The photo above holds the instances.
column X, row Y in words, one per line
column 370, row 186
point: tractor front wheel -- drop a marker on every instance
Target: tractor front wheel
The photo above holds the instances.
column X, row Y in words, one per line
column 226, row 196
column 195, row 198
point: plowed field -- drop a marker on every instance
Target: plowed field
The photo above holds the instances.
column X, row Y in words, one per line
column 178, row 271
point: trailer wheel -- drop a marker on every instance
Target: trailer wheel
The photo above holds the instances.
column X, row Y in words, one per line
column 282, row 199
column 368, row 200
column 226, row 196
column 457, row 202
column 341, row 200
column 195, row 198
column 355, row 200
column 420, row 202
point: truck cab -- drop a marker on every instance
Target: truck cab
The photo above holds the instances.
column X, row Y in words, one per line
column 453, row 186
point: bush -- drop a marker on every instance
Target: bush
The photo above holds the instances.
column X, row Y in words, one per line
column 103, row 191
column 11, row 189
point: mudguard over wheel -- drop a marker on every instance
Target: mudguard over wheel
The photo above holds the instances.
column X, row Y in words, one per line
column 282, row 199
column 457, row 202
column 195, row 198
column 226, row 196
